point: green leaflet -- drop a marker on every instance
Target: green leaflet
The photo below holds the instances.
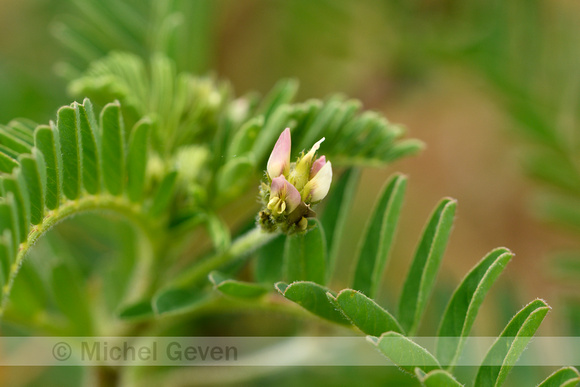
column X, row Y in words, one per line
column 218, row 232
column 233, row 177
column 270, row 261
column 13, row 143
column 177, row 300
column 137, row 160
column 365, row 313
column 378, row 237
column 113, row 148
column 164, row 194
column 564, row 377
column 91, row 173
column 436, row 378
column 425, row 266
column 404, row 352
column 316, row 130
column 33, row 170
column 504, row 353
column 305, row 255
column 44, row 140
column 14, row 186
column 21, row 130
column 333, row 219
column 6, row 255
column 7, row 163
column 282, row 93
column 70, row 152
column 312, row 297
column 245, row 137
column 465, row 302
column 234, row 288
column 141, row 310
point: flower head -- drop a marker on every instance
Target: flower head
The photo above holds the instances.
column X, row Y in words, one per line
column 291, row 188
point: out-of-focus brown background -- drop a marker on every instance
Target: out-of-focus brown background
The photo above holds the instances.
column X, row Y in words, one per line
column 444, row 69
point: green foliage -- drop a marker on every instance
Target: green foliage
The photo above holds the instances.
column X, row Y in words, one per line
column 510, row 344
column 421, row 277
column 305, row 255
column 378, row 238
column 564, row 377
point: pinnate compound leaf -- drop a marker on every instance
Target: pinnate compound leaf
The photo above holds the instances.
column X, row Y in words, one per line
column 365, row 313
column 462, row 309
column 504, row 353
column 305, row 255
column 312, row 297
column 234, row 288
column 436, row 378
column 378, row 237
column 335, row 213
column 404, row 352
column 425, row 266
column 564, row 377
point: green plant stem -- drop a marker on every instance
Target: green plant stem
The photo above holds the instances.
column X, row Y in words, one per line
column 242, row 246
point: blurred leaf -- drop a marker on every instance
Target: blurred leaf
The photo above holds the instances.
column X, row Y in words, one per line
column 71, row 299
column 244, row 139
column 312, row 297
column 282, row 93
column 137, row 160
column 462, row 309
column 404, row 352
column 378, row 237
column 234, row 176
column 365, row 313
column 436, row 378
column 137, row 311
column 333, row 219
column 7, row 163
column 273, row 126
column 510, row 344
column 270, row 261
column 425, row 266
column 237, row 289
column 305, row 255
column 176, row 300
column 564, row 377
column 15, row 186
column 164, row 194
column 218, row 232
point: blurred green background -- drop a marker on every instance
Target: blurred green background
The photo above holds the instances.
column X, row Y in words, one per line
column 483, row 83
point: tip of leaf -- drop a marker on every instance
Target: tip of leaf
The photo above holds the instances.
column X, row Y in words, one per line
column 281, row 287
column 373, row 340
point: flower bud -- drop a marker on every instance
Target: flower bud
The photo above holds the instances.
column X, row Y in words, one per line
column 319, row 163
column 279, row 161
column 301, row 173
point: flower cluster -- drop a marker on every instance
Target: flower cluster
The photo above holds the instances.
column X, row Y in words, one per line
column 291, row 188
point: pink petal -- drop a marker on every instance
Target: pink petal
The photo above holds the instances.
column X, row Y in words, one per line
column 319, row 163
column 279, row 161
column 282, row 188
